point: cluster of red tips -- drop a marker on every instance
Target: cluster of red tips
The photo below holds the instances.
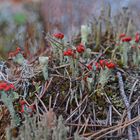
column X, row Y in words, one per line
column 26, row 108
column 137, row 37
column 126, row 39
column 97, row 65
column 22, row 102
column 14, row 53
column 109, row 65
column 59, row 35
column 6, row 87
column 122, row 35
column 80, row 48
column 90, row 67
column 68, row 52
column 102, row 63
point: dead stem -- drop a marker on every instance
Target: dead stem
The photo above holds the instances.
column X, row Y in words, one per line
column 74, row 111
column 42, row 103
column 108, row 100
column 89, row 125
column 126, row 102
column 120, row 127
column 114, row 128
column 86, row 123
column 132, row 90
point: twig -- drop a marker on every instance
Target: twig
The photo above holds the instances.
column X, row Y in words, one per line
column 41, row 102
column 89, row 125
column 50, row 102
column 117, row 128
column 114, row 128
column 81, row 112
column 108, row 100
column 86, row 124
column 110, row 115
column 130, row 108
column 75, row 110
column 44, row 88
column 138, row 131
column 126, row 102
column 70, row 85
column 2, row 75
column 132, row 90
column 62, row 66
column 55, row 99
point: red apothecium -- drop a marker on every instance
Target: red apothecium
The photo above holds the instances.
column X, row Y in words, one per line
column 102, row 63
column 110, row 65
column 137, row 37
column 6, row 87
column 14, row 53
column 80, row 48
column 89, row 66
column 126, row 39
column 68, row 52
column 58, row 35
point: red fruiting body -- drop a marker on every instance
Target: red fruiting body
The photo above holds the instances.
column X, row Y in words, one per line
column 31, row 108
column 58, row 35
column 89, row 66
column 137, row 37
column 13, row 54
column 97, row 66
column 122, row 35
column 65, row 53
column 12, row 86
column 126, row 39
column 3, row 85
column 85, row 77
column 22, row 102
column 16, row 52
column 102, row 63
column 110, row 65
column 22, row 109
column 80, row 48
column 6, row 87
column 18, row 49
column 28, row 109
column 1, row 88
column 68, row 52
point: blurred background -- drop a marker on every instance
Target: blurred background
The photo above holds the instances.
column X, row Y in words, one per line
column 22, row 20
